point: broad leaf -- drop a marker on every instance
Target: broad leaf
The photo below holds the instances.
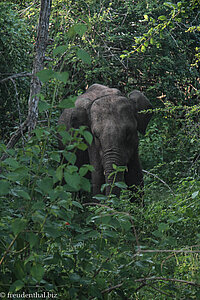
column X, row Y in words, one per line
column 37, row 271
column 84, row 56
column 18, row 225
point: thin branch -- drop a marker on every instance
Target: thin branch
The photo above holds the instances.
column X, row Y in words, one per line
column 167, row 251
column 14, row 76
column 168, row 279
column 154, row 175
column 8, row 249
column 19, row 110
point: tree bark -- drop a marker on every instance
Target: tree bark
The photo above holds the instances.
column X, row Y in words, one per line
column 35, row 86
column 41, row 43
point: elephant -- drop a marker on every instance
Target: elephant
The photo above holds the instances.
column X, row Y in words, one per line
column 114, row 121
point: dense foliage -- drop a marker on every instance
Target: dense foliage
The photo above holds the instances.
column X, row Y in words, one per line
column 15, row 57
column 52, row 238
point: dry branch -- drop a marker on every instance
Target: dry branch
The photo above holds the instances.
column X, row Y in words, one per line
column 14, row 76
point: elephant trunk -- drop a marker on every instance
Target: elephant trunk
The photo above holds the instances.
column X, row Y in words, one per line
column 112, row 157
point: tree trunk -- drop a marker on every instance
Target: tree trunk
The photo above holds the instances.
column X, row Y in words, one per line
column 38, row 64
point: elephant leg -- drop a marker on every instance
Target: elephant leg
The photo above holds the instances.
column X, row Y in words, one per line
column 134, row 178
column 97, row 180
column 98, row 177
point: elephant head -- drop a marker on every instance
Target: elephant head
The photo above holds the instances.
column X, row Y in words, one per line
column 114, row 121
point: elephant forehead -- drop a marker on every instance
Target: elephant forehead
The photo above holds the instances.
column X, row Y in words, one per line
column 111, row 107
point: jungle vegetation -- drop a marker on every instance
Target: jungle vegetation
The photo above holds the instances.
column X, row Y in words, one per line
column 52, row 238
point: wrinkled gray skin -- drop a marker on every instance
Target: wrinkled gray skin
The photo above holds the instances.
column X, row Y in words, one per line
column 114, row 121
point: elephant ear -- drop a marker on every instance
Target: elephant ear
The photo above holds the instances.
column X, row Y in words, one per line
column 79, row 117
column 141, row 103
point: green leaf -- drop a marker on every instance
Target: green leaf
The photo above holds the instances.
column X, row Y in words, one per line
column 74, row 277
column 45, row 75
column 82, row 146
column 80, row 29
column 62, row 76
column 12, row 163
column 100, row 197
column 59, row 173
column 45, row 184
column 85, row 184
column 4, row 187
column 32, row 238
column 55, row 156
column 18, row 225
column 37, row 271
column 16, row 286
column 23, row 194
column 39, row 132
column 88, row 137
column 109, row 233
column 43, row 106
column 151, row 41
column 74, row 180
column 84, row 56
column 143, row 48
column 169, row 4
column 83, row 170
column 19, row 270
column 146, row 17
column 162, row 18
column 77, row 204
column 121, row 185
column 67, row 103
column 60, row 50
column 163, row 227
column 52, row 231
column 125, row 224
column 70, row 157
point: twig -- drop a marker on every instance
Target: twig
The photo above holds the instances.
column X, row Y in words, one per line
column 167, row 279
column 161, row 292
column 141, row 286
column 97, row 271
column 15, row 137
column 112, row 288
column 154, row 175
column 168, row 257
